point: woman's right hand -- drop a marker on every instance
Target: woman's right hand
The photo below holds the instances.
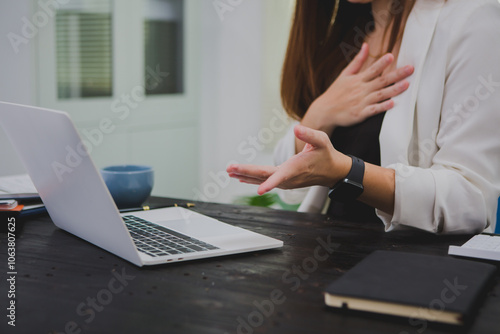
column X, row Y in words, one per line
column 356, row 95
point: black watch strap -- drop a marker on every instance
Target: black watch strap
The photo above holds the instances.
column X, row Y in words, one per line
column 357, row 171
column 350, row 187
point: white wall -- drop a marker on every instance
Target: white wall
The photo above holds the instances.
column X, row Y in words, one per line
column 243, row 52
column 16, row 73
column 231, row 101
column 276, row 28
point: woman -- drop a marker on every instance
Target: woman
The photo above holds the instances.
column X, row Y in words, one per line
column 439, row 145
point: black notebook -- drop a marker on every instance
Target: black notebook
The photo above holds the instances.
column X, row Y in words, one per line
column 434, row 288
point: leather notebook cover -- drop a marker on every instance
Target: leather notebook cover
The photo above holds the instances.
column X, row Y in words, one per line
column 434, row 288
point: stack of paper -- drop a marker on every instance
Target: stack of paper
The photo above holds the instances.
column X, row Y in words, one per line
column 17, row 186
column 20, row 188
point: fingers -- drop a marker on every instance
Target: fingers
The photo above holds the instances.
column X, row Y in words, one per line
column 377, row 68
column 245, row 179
column 393, row 77
column 250, row 172
column 388, row 92
column 259, row 175
column 273, row 181
column 358, row 61
column 291, row 174
column 378, row 108
column 380, row 100
column 314, row 138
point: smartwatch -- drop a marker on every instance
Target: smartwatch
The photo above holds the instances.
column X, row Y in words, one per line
column 350, row 187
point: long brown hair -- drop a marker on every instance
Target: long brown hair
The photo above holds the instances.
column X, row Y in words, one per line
column 325, row 36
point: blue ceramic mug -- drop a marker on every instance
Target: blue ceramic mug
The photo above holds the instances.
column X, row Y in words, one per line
column 129, row 185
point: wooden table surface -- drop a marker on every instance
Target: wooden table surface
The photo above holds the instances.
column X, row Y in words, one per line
column 67, row 285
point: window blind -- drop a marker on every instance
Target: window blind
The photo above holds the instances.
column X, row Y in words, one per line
column 163, row 37
column 84, row 49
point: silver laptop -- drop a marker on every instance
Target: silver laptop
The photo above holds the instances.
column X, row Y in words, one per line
column 78, row 201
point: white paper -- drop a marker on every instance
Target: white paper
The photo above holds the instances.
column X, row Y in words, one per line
column 15, row 184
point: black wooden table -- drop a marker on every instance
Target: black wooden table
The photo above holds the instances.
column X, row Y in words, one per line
column 66, row 285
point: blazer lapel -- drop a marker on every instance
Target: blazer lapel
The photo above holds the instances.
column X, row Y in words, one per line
column 396, row 132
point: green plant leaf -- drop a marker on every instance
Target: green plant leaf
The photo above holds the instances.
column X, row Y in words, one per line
column 265, row 200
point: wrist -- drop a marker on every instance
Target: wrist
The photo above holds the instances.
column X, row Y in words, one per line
column 318, row 117
column 341, row 165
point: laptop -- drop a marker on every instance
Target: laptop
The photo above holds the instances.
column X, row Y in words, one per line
column 79, row 202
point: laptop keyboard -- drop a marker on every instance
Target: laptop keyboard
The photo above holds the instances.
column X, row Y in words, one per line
column 156, row 240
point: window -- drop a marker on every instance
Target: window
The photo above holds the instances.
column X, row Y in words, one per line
column 84, row 49
column 163, row 44
column 95, row 52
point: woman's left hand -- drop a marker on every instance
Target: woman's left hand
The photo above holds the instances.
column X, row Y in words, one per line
column 319, row 163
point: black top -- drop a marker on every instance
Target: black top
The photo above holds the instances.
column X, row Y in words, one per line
column 360, row 140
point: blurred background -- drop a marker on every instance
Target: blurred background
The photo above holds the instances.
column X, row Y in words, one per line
column 186, row 86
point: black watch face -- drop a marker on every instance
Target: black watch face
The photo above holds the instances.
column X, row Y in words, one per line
column 346, row 191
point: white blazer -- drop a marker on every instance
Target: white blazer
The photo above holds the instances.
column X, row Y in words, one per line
column 442, row 137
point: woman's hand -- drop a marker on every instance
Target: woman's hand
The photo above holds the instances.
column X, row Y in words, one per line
column 357, row 95
column 317, row 164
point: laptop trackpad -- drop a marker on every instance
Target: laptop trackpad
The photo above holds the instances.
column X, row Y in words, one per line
column 201, row 228
column 190, row 223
